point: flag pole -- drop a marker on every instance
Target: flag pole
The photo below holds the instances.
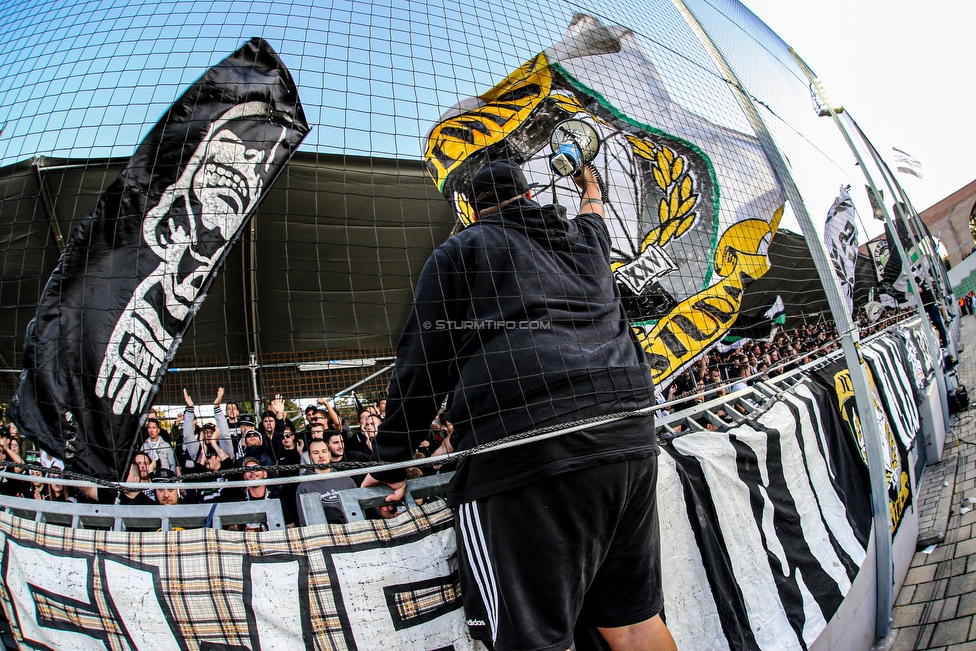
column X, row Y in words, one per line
column 849, row 335
column 934, row 349
column 916, row 229
column 919, row 236
column 911, row 216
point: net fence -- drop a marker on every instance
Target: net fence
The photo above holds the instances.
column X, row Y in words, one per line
column 405, row 102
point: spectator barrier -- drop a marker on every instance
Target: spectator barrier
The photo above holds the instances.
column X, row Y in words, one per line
column 117, row 517
column 765, row 528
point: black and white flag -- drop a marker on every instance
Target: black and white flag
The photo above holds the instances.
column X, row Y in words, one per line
column 136, row 270
column 905, row 163
column 876, row 200
column 840, row 236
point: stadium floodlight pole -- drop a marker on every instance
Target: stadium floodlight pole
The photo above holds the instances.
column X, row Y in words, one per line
column 934, row 349
column 850, row 337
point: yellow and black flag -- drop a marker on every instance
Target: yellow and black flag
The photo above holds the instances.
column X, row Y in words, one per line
column 692, row 207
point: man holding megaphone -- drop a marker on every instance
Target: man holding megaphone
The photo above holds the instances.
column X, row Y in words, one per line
column 518, row 322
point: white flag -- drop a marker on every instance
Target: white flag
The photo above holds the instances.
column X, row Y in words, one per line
column 905, row 164
column 840, row 237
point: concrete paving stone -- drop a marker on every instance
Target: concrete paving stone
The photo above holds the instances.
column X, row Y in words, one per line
column 965, row 547
column 905, row 595
column 905, row 641
column 953, row 631
column 971, row 562
column 942, row 552
column 957, row 566
column 949, row 608
column 941, row 610
column 921, row 574
column 964, row 532
column 924, row 592
column 967, row 605
column 925, row 636
column 965, row 646
column 960, row 584
column 910, row 615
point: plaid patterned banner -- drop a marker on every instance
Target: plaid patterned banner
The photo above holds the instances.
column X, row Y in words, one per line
column 368, row 585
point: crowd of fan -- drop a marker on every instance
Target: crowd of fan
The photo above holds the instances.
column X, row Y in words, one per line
column 716, row 374
column 244, row 447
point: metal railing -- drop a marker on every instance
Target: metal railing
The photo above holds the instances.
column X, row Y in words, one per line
column 356, row 502
column 116, row 517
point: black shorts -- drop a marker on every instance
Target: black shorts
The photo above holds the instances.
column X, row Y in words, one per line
column 582, row 545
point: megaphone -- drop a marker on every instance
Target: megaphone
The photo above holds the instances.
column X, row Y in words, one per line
column 574, row 144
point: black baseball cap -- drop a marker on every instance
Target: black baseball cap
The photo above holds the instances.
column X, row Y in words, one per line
column 503, row 177
column 163, row 475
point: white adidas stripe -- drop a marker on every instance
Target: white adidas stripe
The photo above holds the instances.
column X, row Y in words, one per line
column 476, row 549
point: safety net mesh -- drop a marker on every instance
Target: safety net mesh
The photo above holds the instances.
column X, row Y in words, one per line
column 302, row 284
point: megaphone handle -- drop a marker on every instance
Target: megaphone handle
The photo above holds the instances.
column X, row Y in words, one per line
column 600, row 182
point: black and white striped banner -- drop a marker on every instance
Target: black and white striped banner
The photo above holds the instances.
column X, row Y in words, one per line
column 763, row 526
column 898, row 395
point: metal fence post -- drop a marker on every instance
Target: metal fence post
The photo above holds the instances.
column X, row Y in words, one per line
column 846, row 328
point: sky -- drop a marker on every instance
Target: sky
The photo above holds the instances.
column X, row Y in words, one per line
column 902, row 69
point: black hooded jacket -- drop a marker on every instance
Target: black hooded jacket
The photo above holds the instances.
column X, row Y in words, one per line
column 519, row 319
